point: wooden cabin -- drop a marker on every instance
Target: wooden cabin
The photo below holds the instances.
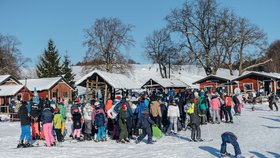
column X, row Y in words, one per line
column 104, row 84
column 216, row 83
column 165, row 84
column 52, row 88
column 8, row 80
column 257, row 81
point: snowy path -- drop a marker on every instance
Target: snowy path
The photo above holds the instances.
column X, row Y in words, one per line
column 258, row 132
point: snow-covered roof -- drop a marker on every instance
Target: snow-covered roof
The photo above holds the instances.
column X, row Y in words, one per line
column 41, row 83
column 4, row 78
column 9, row 90
column 264, row 74
column 219, row 78
column 117, row 81
column 168, row 83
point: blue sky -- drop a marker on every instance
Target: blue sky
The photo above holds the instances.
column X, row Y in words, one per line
column 34, row 22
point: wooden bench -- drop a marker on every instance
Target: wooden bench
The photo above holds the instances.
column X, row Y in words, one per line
column 14, row 117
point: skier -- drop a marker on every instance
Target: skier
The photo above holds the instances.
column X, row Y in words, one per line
column 98, row 119
column 87, row 121
column 195, row 121
column 229, row 137
column 62, row 111
column 57, row 124
column 77, row 124
column 123, row 137
column 25, row 121
column 173, row 114
column 272, row 101
column 146, row 122
column 47, row 119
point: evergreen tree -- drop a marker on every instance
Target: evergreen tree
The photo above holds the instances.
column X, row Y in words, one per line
column 49, row 65
column 67, row 71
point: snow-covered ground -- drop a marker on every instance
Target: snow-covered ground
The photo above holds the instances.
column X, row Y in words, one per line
column 258, row 135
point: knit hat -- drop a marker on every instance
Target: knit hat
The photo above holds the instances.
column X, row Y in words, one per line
column 118, row 98
column 56, row 109
column 97, row 103
column 124, row 106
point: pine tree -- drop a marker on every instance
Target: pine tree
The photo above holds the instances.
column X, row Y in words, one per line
column 67, row 71
column 49, row 65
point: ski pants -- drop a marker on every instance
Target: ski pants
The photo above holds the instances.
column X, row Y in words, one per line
column 101, row 132
column 227, row 138
column 35, row 129
column 48, row 133
column 25, row 132
column 271, row 106
column 173, row 123
column 77, row 133
column 228, row 113
column 146, row 131
column 58, row 135
column 216, row 114
column 196, row 132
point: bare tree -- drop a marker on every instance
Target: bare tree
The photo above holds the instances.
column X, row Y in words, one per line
column 201, row 27
column 104, row 40
column 11, row 60
column 161, row 50
column 250, row 39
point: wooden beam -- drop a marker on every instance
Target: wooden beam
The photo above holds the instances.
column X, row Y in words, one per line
column 87, row 82
column 105, row 95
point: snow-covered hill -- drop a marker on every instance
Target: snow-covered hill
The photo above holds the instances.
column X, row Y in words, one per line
column 258, row 136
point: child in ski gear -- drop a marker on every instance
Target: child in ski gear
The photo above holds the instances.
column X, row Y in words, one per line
column 87, row 121
column 123, row 137
column 35, row 113
column 57, row 123
column 236, row 104
column 62, row 111
column 215, row 106
column 47, row 119
column 25, row 120
column 77, row 124
column 99, row 121
column 229, row 137
column 173, row 114
column 228, row 105
column 146, row 122
column 203, row 106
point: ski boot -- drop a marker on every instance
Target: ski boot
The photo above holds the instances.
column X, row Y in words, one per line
column 28, row 144
column 21, row 145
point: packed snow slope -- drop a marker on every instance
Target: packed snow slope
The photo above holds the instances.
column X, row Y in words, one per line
column 258, row 136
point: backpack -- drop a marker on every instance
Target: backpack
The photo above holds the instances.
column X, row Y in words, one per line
column 99, row 120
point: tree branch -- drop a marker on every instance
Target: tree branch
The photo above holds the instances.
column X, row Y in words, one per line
column 255, row 65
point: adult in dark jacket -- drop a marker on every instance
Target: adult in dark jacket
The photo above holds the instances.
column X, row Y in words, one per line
column 229, row 137
column 47, row 119
column 25, row 121
column 236, row 104
column 146, row 123
column 195, row 121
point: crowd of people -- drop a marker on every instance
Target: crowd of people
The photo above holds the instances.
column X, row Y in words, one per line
column 126, row 118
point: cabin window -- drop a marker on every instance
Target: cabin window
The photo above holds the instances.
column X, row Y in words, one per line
column 54, row 95
column 248, row 86
column 65, row 95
